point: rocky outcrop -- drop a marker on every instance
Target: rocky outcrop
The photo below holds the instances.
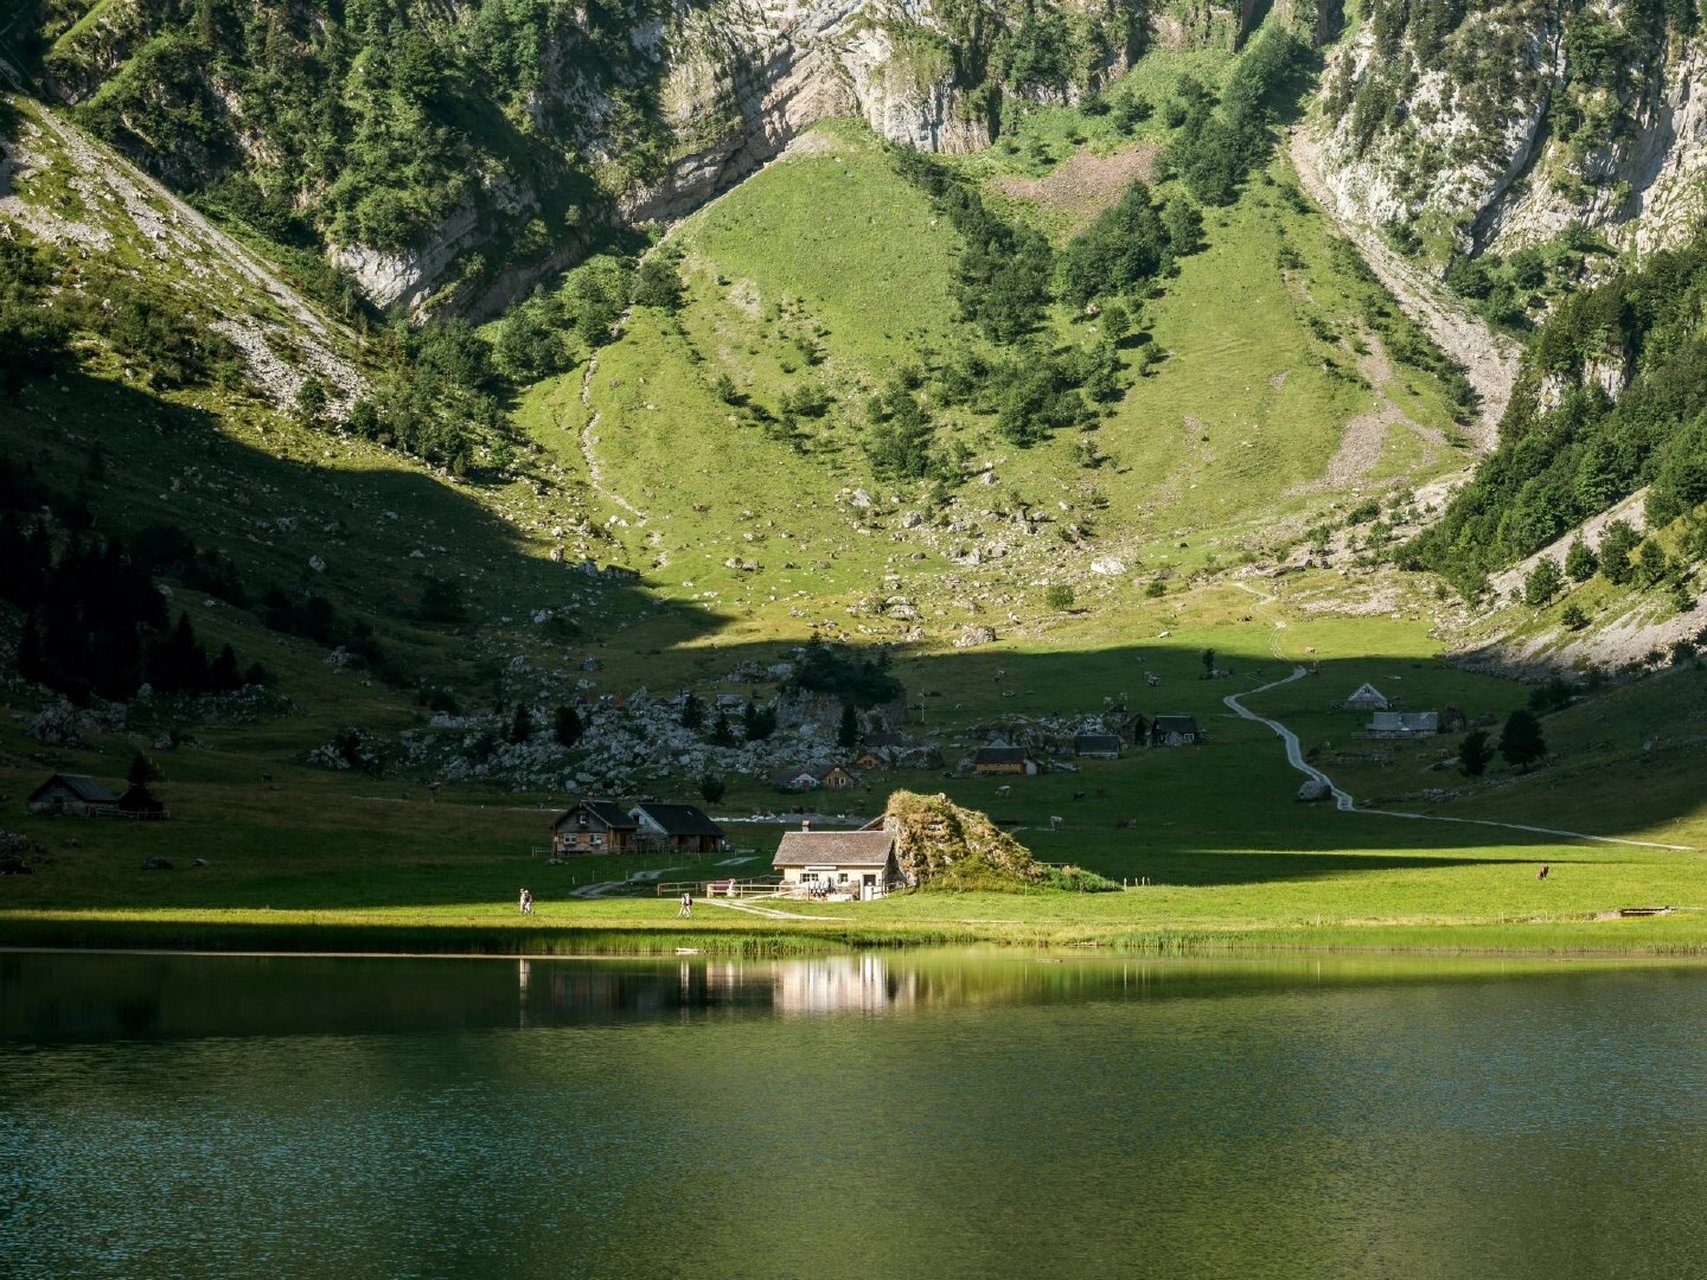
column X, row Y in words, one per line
column 1518, row 123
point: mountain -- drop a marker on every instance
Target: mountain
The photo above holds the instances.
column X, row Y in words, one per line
column 1473, row 129
column 1025, row 423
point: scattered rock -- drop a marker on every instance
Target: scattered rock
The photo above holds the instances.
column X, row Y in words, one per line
column 156, row 864
column 972, row 637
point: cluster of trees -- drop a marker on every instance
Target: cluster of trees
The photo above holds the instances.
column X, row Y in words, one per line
column 1215, row 149
column 1521, row 744
column 860, row 682
column 95, row 622
column 375, row 117
column 1558, row 465
column 545, row 334
column 1004, row 274
column 1129, row 245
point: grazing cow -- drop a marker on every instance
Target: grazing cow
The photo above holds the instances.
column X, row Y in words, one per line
column 1078, row 795
column 1542, row 874
column 1003, row 789
column 1055, row 822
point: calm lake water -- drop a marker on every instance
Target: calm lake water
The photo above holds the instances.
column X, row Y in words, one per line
column 919, row 1115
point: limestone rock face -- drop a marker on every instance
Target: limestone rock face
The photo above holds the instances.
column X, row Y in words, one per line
column 1509, row 127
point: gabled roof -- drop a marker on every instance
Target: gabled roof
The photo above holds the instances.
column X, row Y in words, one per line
column 1095, row 742
column 1175, row 724
column 678, row 819
column 610, row 813
column 1368, row 693
column 1001, row 755
column 82, row 785
column 835, row 848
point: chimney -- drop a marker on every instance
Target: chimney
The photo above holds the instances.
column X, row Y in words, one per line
column 806, row 824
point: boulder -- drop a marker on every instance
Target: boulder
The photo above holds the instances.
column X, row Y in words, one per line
column 1313, row 790
column 972, row 637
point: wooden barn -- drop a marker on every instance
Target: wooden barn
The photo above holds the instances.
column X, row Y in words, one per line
column 594, row 826
column 73, row 795
column 676, row 828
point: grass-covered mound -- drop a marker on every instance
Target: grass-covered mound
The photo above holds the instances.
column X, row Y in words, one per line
column 941, row 845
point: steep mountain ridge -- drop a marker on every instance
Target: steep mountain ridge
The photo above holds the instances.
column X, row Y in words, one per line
column 1463, row 128
column 480, row 144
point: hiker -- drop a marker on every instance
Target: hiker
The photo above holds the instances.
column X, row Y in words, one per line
column 687, row 906
column 1542, row 874
column 527, row 903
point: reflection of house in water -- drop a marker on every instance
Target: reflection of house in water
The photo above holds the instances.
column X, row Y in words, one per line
column 844, row 984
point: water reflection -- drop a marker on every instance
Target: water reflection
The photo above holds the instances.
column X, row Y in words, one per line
column 68, row 997
column 994, row 1115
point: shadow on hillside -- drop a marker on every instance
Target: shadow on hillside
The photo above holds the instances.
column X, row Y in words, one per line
column 1219, row 813
column 367, row 540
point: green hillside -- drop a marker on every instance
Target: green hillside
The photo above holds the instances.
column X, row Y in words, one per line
column 1108, row 418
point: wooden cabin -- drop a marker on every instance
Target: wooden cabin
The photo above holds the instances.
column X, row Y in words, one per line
column 72, row 795
column 999, row 761
column 1175, row 731
column 594, row 826
column 676, row 828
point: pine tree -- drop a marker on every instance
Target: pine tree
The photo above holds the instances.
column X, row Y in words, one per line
column 1474, row 753
column 721, row 734
column 223, row 675
column 848, row 733
column 1521, row 743
column 521, row 725
column 566, row 726
column 693, row 711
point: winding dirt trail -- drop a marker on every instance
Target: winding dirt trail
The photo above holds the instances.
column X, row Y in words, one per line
column 1490, row 359
column 1343, row 799
column 589, row 433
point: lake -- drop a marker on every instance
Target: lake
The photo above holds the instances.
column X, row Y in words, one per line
column 898, row 1114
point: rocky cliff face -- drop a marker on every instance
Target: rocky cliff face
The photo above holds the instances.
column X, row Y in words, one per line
column 1500, row 127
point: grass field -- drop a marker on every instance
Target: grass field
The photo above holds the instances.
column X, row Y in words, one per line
column 826, row 271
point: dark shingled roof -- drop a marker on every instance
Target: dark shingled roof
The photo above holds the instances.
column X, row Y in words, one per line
column 1176, row 724
column 1096, row 742
column 610, row 813
column 1000, row 755
column 834, row 848
column 82, row 785
column 679, row 819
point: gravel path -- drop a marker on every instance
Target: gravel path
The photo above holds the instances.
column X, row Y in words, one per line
column 1343, row 800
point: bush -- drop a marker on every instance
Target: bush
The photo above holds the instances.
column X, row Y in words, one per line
column 1581, row 563
column 1059, row 597
column 1616, row 544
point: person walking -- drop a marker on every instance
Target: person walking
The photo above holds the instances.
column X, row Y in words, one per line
column 687, row 906
column 527, row 903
